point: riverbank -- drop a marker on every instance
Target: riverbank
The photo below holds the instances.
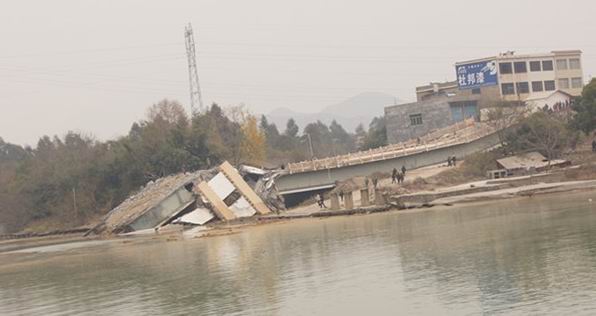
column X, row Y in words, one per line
column 487, row 191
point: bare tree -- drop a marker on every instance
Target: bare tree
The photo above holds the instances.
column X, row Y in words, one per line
column 541, row 132
column 237, row 115
column 504, row 115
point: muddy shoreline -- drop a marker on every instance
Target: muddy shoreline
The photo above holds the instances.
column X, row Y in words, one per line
column 226, row 228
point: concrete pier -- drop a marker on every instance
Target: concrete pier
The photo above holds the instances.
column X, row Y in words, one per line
column 348, row 201
column 364, row 198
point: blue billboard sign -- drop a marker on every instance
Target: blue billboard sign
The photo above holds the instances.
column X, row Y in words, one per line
column 475, row 75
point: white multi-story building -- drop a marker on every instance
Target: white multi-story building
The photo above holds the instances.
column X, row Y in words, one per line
column 523, row 77
column 538, row 81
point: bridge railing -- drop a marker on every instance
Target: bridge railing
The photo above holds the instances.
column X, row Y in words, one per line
column 461, row 132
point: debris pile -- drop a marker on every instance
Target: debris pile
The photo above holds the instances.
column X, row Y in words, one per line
column 196, row 198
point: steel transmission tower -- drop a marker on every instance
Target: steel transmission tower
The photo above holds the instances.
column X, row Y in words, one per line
column 196, row 102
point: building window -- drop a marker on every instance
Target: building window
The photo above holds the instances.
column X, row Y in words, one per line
column 416, row 119
column 476, row 91
column 547, row 65
column 574, row 63
column 505, row 68
column 522, row 87
column 576, row 83
column 564, row 83
column 520, row 67
column 549, row 85
column 463, row 110
column 535, row 66
column 561, row 64
column 507, row 89
column 537, row 86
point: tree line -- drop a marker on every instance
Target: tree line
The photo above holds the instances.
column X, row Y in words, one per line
column 72, row 180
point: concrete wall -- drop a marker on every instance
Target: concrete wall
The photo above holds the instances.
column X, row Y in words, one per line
column 329, row 176
column 435, row 115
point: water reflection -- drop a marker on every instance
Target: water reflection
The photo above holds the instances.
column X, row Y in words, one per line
column 535, row 255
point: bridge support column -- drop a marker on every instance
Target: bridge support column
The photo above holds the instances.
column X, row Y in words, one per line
column 334, row 201
column 348, row 201
column 379, row 198
column 364, row 198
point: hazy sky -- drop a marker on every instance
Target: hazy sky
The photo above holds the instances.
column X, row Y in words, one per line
column 95, row 66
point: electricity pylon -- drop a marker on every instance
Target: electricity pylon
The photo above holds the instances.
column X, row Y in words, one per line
column 196, row 101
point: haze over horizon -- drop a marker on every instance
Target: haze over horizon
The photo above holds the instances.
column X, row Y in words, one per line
column 92, row 66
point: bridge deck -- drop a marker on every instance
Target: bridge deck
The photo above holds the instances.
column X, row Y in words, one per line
column 459, row 133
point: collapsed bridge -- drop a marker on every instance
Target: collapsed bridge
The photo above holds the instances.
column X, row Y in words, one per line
column 460, row 140
column 195, row 198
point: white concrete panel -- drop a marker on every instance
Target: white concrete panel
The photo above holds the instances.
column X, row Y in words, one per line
column 241, row 208
column 199, row 216
column 221, row 186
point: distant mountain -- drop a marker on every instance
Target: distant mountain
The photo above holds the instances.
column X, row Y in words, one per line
column 358, row 109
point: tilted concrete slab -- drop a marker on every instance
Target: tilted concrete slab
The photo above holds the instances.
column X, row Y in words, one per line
column 219, row 207
column 255, row 201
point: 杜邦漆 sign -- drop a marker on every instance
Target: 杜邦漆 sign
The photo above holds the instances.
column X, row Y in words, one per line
column 475, row 75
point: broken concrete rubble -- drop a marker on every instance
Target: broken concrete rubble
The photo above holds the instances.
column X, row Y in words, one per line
column 195, row 199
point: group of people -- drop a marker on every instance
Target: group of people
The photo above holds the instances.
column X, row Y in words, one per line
column 559, row 106
column 398, row 176
column 451, row 161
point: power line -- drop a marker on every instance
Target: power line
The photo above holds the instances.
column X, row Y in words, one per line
column 90, row 50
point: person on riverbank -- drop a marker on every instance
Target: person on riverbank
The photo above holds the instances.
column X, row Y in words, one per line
column 453, row 161
column 394, row 176
column 400, row 178
column 403, row 170
column 448, row 161
column 594, row 146
column 375, row 182
column 321, row 200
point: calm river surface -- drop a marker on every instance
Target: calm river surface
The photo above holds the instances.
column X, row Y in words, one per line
column 526, row 256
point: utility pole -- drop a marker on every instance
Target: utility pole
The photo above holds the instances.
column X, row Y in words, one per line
column 74, row 202
column 312, row 153
column 196, row 101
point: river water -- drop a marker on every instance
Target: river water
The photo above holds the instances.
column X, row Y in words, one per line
column 526, row 256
